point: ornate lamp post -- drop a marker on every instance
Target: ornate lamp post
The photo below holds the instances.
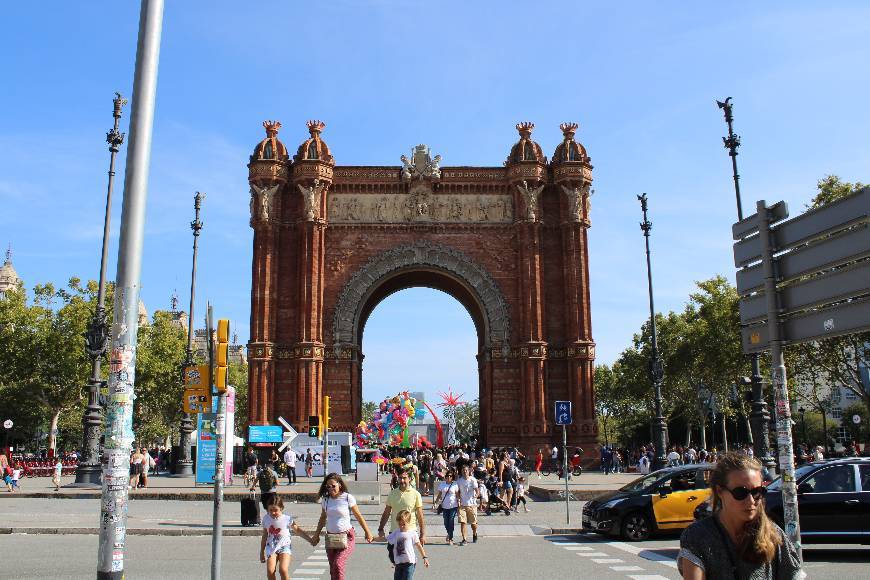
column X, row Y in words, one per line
column 184, row 465
column 759, row 418
column 89, row 470
column 656, row 370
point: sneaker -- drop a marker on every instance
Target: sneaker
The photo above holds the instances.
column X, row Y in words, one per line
column 462, row 543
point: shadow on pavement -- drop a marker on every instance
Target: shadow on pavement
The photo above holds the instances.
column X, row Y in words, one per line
column 836, row 554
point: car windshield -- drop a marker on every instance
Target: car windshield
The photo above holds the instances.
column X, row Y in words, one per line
column 642, row 482
column 799, row 473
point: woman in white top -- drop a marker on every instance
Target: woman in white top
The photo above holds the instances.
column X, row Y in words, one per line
column 337, row 506
column 448, row 501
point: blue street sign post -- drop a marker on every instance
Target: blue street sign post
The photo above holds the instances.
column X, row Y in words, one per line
column 564, row 418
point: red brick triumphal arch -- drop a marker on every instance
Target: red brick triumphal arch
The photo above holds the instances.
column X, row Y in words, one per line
column 509, row 243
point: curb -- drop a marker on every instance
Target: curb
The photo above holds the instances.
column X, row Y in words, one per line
column 206, row 531
column 547, row 494
column 297, row 497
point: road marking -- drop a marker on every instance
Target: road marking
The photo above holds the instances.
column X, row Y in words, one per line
column 626, row 568
column 298, row 572
column 645, row 554
column 318, row 557
column 580, row 548
column 593, row 554
column 608, row 561
column 311, row 564
column 648, row 577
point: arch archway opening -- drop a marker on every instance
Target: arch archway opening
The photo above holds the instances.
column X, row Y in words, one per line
column 423, row 331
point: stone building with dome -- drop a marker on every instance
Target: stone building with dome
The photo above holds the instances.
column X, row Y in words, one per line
column 9, row 278
column 508, row 242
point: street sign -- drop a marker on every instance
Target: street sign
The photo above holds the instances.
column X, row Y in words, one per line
column 265, row 434
column 289, row 435
column 821, row 274
column 563, row 413
column 8, row 424
column 197, row 400
column 856, row 419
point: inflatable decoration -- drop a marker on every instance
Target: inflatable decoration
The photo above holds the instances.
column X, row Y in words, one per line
column 388, row 425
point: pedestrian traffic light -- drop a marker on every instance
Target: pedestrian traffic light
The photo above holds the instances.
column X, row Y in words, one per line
column 325, row 413
column 313, row 426
column 222, row 351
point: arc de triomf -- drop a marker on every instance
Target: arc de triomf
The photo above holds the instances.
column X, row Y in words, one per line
column 509, row 243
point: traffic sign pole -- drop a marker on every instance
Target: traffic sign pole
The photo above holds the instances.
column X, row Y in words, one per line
column 565, row 472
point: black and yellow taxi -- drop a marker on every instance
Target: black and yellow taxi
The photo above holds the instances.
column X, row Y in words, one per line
column 663, row 500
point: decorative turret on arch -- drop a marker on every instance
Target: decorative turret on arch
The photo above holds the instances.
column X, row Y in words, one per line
column 424, row 254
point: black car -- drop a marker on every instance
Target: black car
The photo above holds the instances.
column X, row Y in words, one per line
column 662, row 500
column 833, row 501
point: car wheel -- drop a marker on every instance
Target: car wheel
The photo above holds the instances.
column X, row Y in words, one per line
column 636, row 527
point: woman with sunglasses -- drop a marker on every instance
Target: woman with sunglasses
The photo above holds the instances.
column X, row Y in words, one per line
column 739, row 542
column 337, row 506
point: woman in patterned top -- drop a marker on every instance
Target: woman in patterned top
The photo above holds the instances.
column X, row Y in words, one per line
column 739, row 541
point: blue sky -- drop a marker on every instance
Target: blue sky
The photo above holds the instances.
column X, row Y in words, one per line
column 641, row 78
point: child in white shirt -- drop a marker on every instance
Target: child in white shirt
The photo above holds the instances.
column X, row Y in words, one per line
column 404, row 540
column 275, row 545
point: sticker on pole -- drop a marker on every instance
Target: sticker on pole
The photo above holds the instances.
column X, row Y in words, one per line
column 8, row 424
column 563, row 413
column 856, row 419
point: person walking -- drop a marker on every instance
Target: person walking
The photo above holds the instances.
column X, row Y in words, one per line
column 275, row 543
column 739, row 540
column 539, row 462
column 135, row 468
column 404, row 497
column 146, row 467
column 58, row 471
column 268, row 482
column 337, row 506
column 447, row 502
column 403, row 541
column 505, row 477
column 309, row 462
column 290, row 462
column 469, row 496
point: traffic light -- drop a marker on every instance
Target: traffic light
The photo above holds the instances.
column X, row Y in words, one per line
column 313, row 426
column 325, row 413
column 222, row 351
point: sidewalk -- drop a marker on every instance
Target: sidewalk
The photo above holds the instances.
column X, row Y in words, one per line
column 550, row 488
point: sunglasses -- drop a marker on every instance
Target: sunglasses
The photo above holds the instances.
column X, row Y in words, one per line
column 741, row 493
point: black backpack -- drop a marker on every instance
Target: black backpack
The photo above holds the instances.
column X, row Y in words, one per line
column 267, row 480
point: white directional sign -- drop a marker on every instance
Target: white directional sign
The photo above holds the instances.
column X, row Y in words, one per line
column 8, row 423
column 289, row 435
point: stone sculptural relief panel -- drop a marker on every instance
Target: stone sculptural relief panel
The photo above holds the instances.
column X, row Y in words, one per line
column 419, row 206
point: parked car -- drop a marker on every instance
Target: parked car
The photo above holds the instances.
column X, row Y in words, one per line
column 833, row 501
column 662, row 500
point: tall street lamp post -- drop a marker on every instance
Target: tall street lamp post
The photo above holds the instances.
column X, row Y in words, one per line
column 184, row 465
column 656, row 370
column 89, row 470
column 759, row 418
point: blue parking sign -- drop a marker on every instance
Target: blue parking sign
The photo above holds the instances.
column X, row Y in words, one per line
column 563, row 413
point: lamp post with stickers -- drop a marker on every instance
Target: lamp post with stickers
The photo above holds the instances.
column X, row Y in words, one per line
column 89, row 471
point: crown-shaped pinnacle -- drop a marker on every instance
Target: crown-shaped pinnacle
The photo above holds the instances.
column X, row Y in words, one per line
column 525, row 128
column 271, row 127
column 315, row 127
column 568, row 129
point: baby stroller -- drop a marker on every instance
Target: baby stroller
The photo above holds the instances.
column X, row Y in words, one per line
column 495, row 502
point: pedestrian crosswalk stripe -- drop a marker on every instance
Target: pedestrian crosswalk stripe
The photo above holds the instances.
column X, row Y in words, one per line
column 312, row 563
column 581, row 548
column 608, row 561
column 593, row 554
column 626, row 568
column 648, row 577
column 309, row 572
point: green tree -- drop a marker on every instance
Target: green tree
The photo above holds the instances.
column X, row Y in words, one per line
column 468, row 422
column 42, row 353
column 368, row 410
column 160, row 352
column 831, row 189
column 238, row 377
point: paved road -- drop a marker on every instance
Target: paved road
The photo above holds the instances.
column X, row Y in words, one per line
column 530, row 557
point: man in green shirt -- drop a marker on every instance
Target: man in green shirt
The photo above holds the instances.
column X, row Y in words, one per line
column 404, row 497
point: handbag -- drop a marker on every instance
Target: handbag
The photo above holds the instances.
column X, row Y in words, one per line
column 440, row 509
column 336, row 541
